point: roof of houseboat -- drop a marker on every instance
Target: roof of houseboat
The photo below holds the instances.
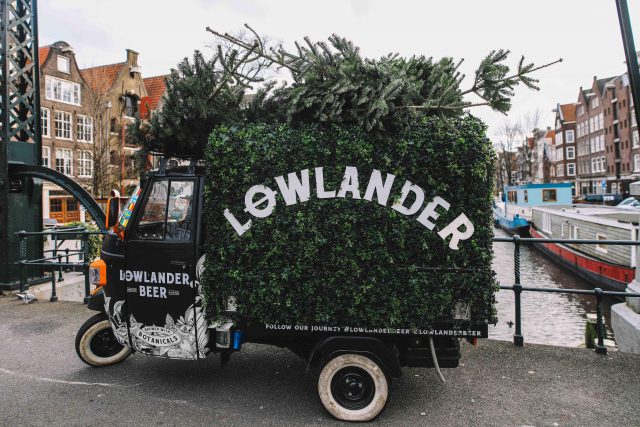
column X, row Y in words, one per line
column 544, row 186
column 611, row 215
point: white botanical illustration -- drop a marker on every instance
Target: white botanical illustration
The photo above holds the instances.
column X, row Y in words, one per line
column 177, row 338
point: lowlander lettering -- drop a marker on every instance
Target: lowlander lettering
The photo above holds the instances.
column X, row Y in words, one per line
column 260, row 200
column 153, row 277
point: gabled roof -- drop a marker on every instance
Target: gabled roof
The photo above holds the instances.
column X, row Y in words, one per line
column 43, row 52
column 568, row 112
column 156, row 87
column 550, row 133
column 101, row 78
column 601, row 82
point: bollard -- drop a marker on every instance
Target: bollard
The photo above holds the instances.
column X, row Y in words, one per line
column 60, row 278
column 600, row 347
column 518, row 339
column 67, row 268
column 54, row 296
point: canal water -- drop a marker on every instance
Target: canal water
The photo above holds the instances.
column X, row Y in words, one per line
column 554, row 319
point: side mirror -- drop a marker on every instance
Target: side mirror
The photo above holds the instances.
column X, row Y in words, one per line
column 113, row 211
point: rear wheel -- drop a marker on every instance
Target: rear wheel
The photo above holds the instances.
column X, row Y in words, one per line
column 96, row 345
column 353, row 387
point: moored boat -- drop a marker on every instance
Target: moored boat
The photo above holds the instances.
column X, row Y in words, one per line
column 608, row 266
column 512, row 212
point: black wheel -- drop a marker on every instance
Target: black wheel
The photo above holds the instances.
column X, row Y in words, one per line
column 96, row 345
column 353, row 387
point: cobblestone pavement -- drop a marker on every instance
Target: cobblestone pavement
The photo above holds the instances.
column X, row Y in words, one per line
column 42, row 382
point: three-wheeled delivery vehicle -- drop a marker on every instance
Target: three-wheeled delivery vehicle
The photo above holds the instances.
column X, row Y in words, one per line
column 149, row 301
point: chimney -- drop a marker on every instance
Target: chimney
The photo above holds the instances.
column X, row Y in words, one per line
column 132, row 57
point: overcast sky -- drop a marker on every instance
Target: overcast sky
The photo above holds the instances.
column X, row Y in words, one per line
column 585, row 33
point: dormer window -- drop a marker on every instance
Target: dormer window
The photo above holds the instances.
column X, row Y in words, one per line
column 63, row 64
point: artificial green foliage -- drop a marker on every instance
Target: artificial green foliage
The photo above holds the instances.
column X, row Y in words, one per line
column 346, row 261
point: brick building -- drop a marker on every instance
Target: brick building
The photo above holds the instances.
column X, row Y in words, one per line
column 118, row 90
column 590, row 136
column 565, row 151
column 67, row 128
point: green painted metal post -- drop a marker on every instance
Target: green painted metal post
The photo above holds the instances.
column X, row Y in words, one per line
column 85, row 267
column 600, row 347
column 518, row 339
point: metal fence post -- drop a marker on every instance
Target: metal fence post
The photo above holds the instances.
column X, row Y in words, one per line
column 60, row 278
column 85, row 268
column 54, row 296
column 518, row 339
column 23, row 259
column 600, row 347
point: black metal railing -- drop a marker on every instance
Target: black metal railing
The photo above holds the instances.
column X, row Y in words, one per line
column 58, row 258
column 598, row 293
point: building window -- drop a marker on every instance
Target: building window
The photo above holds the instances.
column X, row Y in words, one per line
column 85, row 164
column 62, row 90
column 599, row 247
column 559, row 154
column 63, row 124
column 636, row 162
column 636, row 139
column 63, row 64
column 46, row 157
column 580, row 110
column 571, row 153
column 46, row 122
column 571, row 169
column 560, row 170
column 549, row 195
column 595, row 103
column 84, row 128
column 130, row 106
column 570, row 136
column 559, row 138
column 64, row 158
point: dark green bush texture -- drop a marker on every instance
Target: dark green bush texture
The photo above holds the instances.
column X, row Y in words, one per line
column 347, row 261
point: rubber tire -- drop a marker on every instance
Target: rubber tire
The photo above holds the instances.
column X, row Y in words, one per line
column 87, row 331
column 381, row 384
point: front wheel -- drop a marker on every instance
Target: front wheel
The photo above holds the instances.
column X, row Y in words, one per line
column 353, row 387
column 96, row 345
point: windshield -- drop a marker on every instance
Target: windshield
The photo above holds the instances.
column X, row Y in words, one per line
column 123, row 221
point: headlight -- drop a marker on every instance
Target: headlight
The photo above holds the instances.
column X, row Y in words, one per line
column 98, row 273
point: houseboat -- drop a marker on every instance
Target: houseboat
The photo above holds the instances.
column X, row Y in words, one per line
column 607, row 266
column 512, row 211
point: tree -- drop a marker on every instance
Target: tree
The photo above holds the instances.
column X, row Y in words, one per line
column 97, row 106
column 509, row 139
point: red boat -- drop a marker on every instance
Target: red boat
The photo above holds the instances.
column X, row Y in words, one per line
column 606, row 266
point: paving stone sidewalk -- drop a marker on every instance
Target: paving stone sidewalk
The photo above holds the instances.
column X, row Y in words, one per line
column 42, row 382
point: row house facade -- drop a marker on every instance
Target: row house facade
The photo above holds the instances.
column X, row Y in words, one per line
column 67, row 128
column 565, row 144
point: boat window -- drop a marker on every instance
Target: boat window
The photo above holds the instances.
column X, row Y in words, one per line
column 546, row 223
column 549, row 195
column 513, row 196
column 526, row 196
column 573, row 231
column 152, row 222
column 601, row 248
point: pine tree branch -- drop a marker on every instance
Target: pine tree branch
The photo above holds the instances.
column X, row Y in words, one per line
column 447, row 107
column 477, row 87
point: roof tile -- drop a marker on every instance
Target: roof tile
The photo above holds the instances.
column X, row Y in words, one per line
column 101, row 78
column 156, row 87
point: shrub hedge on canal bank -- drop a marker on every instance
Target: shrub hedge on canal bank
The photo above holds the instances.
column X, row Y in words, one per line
column 307, row 225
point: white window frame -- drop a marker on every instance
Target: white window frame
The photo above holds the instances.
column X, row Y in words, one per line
column 65, row 155
column 574, row 231
column 571, row 166
column 61, row 90
column 570, row 137
column 559, row 140
column 45, row 115
column 601, row 248
column 571, row 153
column 85, row 164
column 46, row 156
column 595, row 103
column 67, row 64
column 61, row 125
column 636, row 162
column 560, row 170
column 559, row 154
column 636, row 139
column 84, row 128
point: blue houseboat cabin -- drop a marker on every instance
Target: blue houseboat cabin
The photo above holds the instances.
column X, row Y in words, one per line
column 512, row 211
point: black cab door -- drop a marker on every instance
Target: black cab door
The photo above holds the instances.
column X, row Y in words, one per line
column 165, row 313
